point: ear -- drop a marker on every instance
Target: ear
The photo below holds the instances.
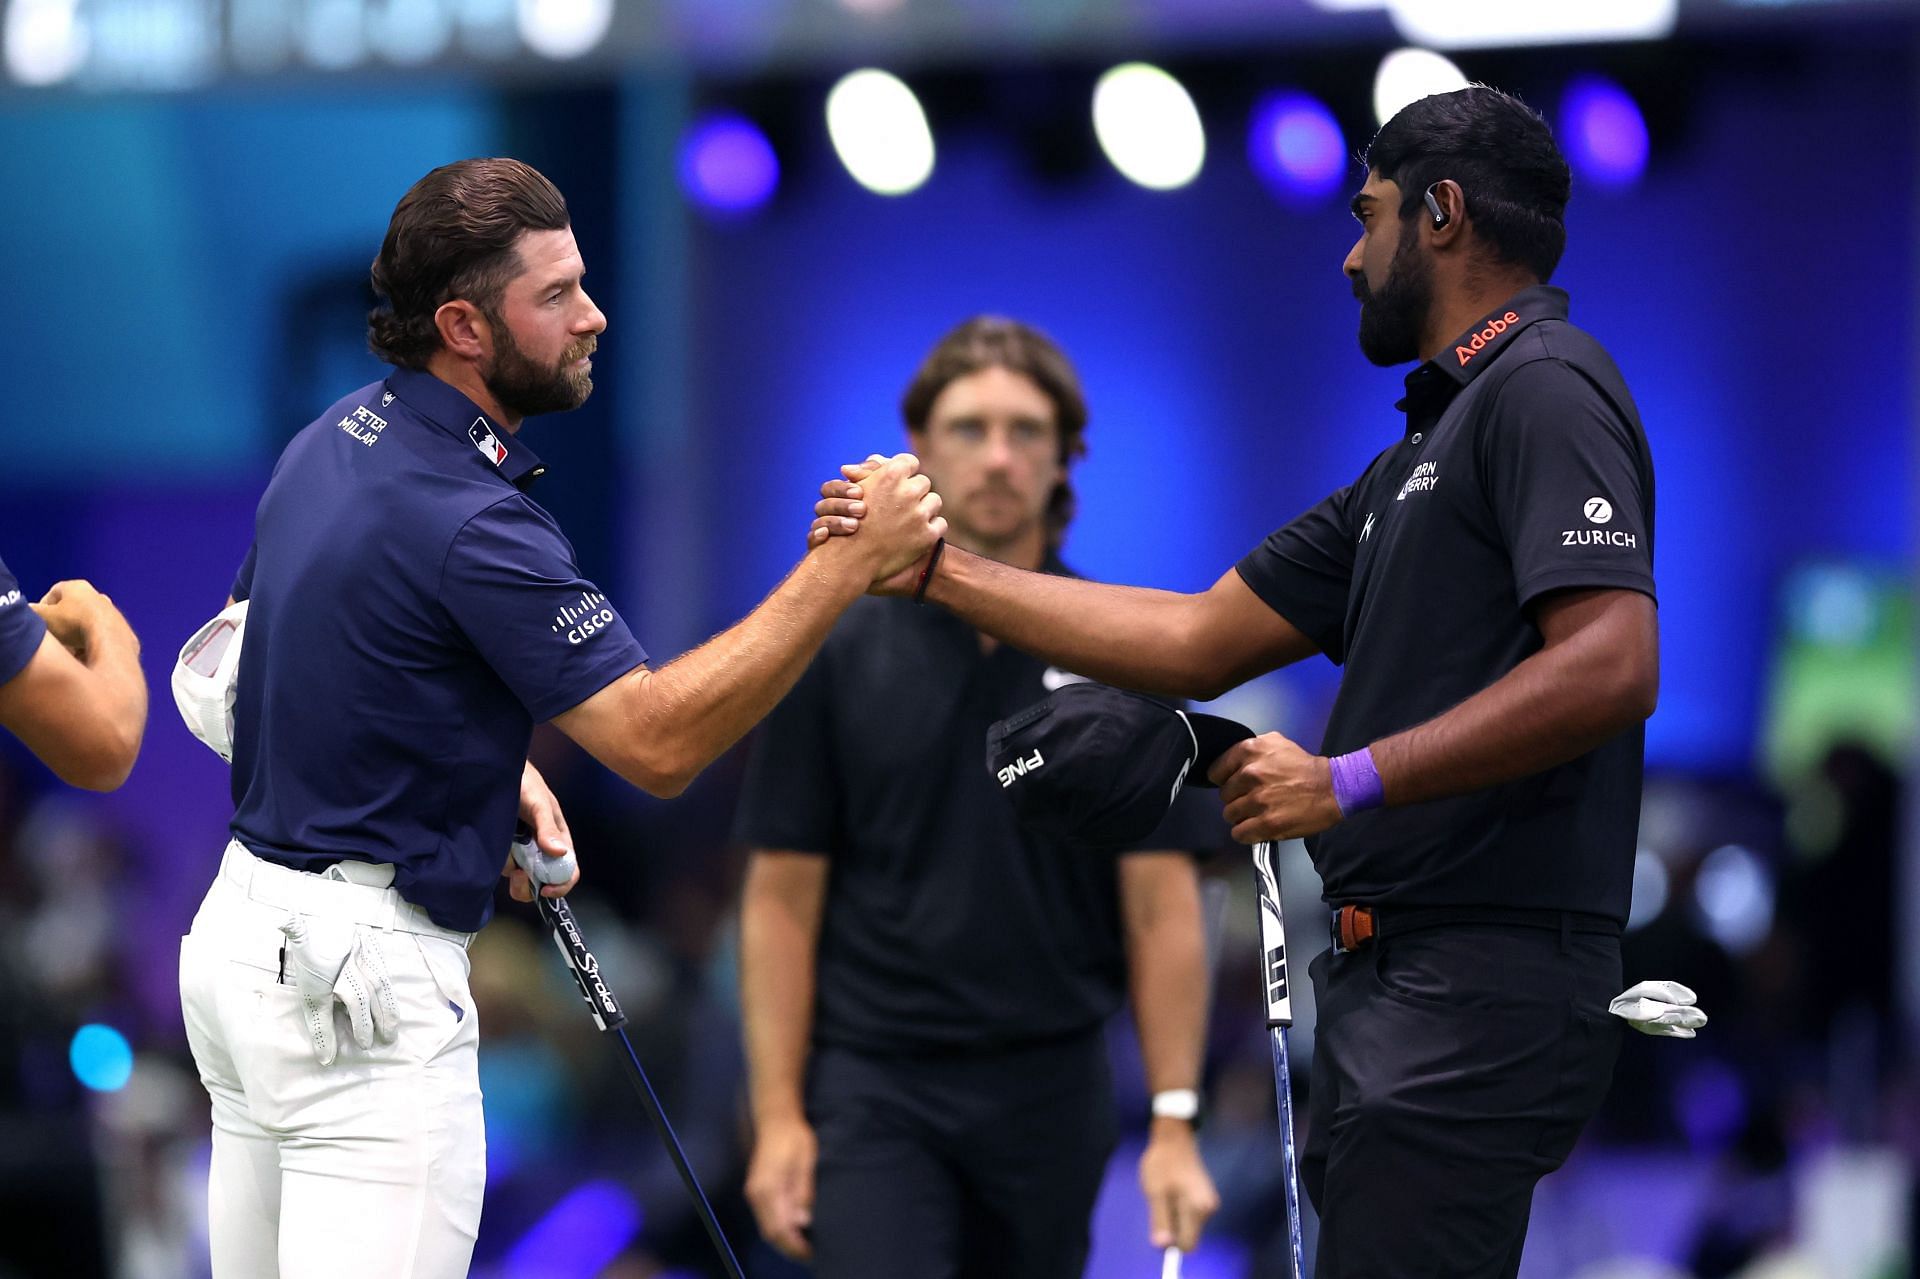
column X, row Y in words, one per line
column 1445, row 213
column 464, row 330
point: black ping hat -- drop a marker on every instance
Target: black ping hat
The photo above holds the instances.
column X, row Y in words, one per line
column 1100, row 766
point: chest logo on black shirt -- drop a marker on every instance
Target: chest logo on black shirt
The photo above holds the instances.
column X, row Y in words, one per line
column 1424, row 477
column 1366, row 530
column 486, row 441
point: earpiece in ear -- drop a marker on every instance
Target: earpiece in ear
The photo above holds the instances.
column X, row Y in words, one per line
column 1440, row 217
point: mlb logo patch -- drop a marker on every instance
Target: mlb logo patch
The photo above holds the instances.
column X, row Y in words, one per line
column 484, row 439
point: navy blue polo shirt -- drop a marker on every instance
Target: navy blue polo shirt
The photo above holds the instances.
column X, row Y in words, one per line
column 1523, row 470
column 947, row 925
column 414, row 613
column 20, row 627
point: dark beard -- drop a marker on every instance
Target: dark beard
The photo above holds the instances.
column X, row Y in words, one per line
column 524, row 388
column 1391, row 320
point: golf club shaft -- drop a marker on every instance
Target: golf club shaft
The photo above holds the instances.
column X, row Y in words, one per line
column 608, row 1017
column 1283, row 1096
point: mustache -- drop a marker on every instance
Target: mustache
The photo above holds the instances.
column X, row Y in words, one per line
column 1360, row 290
column 580, row 350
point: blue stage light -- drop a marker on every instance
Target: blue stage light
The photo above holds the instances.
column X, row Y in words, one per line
column 727, row 165
column 1603, row 132
column 101, row 1058
column 1296, row 146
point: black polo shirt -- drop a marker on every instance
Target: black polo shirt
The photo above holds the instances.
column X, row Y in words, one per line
column 947, row 926
column 414, row 613
column 21, row 629
column 1523, row 470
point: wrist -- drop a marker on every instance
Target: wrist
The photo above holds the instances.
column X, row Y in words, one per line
column 843, row 572
column 1165, row 1129
column 1174, row 1111
column 778, row 1112
column 1355, row 782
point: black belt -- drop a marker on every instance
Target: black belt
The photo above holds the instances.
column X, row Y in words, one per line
column 1357, row 927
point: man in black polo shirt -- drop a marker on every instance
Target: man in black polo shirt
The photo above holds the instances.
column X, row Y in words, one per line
column 923, row 983
column 1487, row 583
column 411, row 613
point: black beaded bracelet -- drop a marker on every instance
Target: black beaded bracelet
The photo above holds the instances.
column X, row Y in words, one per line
column 926, row 574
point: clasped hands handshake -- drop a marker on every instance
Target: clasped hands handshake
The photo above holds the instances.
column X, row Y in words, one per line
column 893, row 508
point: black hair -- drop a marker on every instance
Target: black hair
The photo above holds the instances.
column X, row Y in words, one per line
column 1502, row 154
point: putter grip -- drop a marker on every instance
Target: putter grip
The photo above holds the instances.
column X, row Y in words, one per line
column 581, row 963
column 1273, row 937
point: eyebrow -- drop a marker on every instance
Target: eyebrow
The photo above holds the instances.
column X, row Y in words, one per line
column 1361, row 201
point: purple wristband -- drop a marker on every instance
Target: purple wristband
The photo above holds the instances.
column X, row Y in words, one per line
column 1356, row 782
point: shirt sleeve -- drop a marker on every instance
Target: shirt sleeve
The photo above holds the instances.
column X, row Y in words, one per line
column 791, row 798
column 511, row 585
column 1570, row 483
column 243, row 580
column 1303, row 571
column 21, row 629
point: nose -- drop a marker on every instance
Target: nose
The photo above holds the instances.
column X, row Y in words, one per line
column 1352, row 267
column 999, row 448
column 595, row 320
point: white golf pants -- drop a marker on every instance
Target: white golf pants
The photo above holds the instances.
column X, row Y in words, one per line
column 373, row 1166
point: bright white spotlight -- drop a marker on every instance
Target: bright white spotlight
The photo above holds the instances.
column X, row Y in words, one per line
column 1733, row 895
column 1148, row 126
column 1408, row 75
column 1649, row 889
column 1449, row 24
column 46, row 40
column 564, row 28
column 880, row 132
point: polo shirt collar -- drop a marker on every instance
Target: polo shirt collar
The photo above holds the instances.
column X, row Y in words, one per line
column 1464, row 357
column 450, row 410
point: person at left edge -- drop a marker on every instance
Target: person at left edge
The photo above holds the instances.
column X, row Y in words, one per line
column 412, row 613
column 70, row 683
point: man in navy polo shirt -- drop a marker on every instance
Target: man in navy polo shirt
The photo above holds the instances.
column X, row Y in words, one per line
column 1487, row 583
column 412, row 613
column 70, row 683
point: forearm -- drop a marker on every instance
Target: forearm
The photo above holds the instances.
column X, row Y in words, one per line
column 119, row 688
column 1128, row 636
column 686, row 714
column 1166, row 966
column 777, row 947
column 1555, row 706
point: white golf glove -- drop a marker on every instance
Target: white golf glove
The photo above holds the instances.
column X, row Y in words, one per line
column 541, row 868
column 359, row 982
column 1664, row 1008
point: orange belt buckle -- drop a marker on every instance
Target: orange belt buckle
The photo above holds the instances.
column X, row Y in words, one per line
column 1354, row 926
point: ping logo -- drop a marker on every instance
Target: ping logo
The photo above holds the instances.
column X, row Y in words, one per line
column 1277, row 973
column 1598, row 510
column 1019, row 768
column 1479, row 341
column 481, row 433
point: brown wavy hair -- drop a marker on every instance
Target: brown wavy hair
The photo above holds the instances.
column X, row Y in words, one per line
column 996, row 342
column 452, row 236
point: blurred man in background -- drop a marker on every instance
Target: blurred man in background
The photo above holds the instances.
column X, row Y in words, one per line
column 924, row 984
column 412, row 613
column 70, row 682
column 1488, row 584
